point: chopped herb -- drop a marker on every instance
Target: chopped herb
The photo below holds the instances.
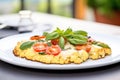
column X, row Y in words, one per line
column 45, row 33
column 49, row 43
column 41, row 40
column 42, row 53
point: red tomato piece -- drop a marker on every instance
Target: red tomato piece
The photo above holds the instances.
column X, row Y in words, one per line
column 55, row 41
column 53, row 50
column 77, row 47
column 87, row 48
column 37, row 37
column 40, row 47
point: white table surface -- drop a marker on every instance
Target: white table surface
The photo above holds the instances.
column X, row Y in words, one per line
column 111, row 72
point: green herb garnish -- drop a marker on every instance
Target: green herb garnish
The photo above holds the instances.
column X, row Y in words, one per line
column 45, row 33
column 61, row 42
column 52, row 35
column 73, row 37
column 26, row 45
column 42, row 53
column 81, row 32
column 101, row 44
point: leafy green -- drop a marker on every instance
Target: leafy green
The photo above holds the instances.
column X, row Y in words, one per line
column 101, row 44
column 61, row 42
column 75, row 41
column 59, row 31
column 81, row 37
column 80, row 32
column 45, row 33
column 68, row 36
column 52, row 35
column 68, row 31
column 74, row 37
column 26, row 45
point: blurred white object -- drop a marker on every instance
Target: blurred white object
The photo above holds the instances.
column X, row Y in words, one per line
column 25, row 14
column 25, row 22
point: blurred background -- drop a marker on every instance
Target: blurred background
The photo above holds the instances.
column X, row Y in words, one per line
column 104, row 11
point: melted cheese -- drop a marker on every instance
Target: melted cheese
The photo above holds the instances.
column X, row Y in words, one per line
column 68, row 45
column 67, row 53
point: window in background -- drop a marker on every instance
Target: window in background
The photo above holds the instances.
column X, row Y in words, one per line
column 36, row 5
column 9, row 6
column 62, row 7
column 57, row 7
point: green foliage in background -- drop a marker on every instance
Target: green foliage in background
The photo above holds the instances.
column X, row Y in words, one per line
column 16, row 6
column 106, row 7
column 42, row 6
column 58, row 7
column 62, row 7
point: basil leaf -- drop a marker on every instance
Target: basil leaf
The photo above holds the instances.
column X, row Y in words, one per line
column 81, row 32
column 77, row 41
column 68, row 31
column 59, row 31
column 101, row 44
column 61, row 42
column 52, row 35
column 81, row 37
column 67, row 36
column 45, row 33
column 26, row 45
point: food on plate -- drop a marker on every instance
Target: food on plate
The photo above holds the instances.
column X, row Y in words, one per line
column 62, row 47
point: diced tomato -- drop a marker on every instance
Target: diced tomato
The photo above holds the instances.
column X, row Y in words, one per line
column 87, row 48
column 42, row 37
column 40, row 47
column 55, row 41
column 53, row 50
column 37, row 37
column 78, row 47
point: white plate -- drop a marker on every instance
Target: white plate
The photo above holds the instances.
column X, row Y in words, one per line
column 7, row 44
